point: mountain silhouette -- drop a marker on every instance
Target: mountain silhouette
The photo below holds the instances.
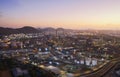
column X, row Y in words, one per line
column 26, row 29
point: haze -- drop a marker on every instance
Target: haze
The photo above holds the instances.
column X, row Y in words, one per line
column 72, row 14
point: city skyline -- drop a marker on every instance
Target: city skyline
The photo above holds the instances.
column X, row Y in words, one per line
column 71, row 14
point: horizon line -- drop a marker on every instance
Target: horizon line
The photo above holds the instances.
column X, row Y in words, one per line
column 59, row 27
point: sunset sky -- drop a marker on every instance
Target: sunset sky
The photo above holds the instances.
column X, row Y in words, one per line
column 72, row 14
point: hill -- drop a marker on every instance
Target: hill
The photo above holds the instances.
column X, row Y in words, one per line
column 26, row 29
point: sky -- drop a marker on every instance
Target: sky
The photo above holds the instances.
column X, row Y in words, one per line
column 71, row 14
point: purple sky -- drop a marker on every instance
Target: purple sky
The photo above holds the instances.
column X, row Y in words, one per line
column 74, row 14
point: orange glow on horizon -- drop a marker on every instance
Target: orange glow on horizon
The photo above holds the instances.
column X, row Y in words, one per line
column 79, row 14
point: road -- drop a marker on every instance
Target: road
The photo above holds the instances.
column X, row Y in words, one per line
column 104, row 71
column 111, row 73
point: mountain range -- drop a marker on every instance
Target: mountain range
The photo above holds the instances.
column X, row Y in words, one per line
column 29, row 29
column 26, row 29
